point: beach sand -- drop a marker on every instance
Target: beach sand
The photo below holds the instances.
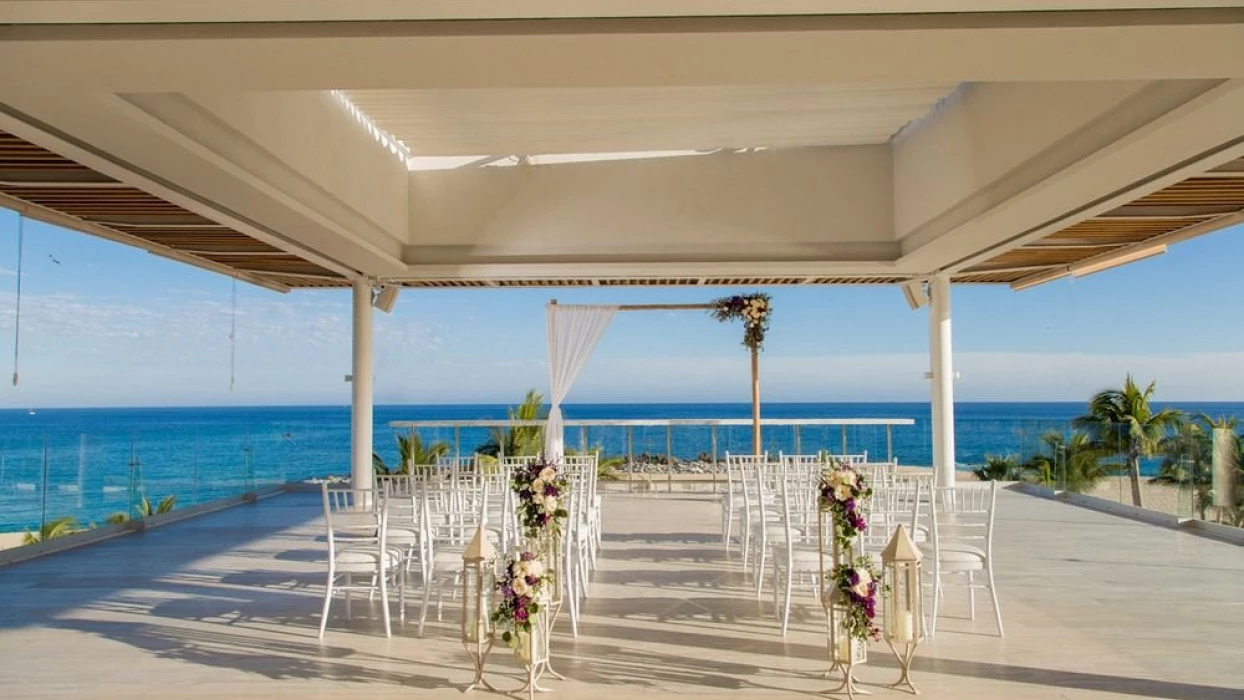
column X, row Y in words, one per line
column 11, row 539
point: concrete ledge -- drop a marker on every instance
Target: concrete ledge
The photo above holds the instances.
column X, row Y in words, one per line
column 23, row 552
column 1224, row 533
column 107, row 532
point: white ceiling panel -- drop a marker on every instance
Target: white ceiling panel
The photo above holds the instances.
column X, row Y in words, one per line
column 594, row 120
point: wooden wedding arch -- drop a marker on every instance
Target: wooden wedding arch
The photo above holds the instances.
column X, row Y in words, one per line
column 726, row 309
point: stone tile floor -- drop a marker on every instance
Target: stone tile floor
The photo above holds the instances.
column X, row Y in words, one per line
column 226, row 606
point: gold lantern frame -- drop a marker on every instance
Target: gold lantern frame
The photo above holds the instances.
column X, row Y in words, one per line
column 479, row 577
column 903, row 602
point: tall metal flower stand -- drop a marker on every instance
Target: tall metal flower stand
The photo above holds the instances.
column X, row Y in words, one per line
column 548, row 548
column 845, row 652
column 533, row 653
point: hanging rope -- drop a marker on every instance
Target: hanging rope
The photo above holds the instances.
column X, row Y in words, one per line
column 233, row 337
column 17, row 316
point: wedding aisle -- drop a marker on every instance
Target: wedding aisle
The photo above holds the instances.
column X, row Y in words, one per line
column 226, row 606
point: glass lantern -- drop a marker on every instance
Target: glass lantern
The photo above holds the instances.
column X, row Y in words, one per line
column 902, row 602
column 479, row 581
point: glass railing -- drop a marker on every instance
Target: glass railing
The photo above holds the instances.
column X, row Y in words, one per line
column 61, row 483
column 668, row 450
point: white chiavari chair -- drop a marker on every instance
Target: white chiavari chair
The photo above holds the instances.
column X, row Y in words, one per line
column 358, row 551
column 796, row 559
column 961, row 526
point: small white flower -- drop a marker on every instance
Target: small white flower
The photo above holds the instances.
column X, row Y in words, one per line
column 842, row 492
column 520, row 587
column 550, row 504
column 548, row 474
column 861, row 588
column 849, row 478
column 535, row 568
column 517, row 569
column 537, row 486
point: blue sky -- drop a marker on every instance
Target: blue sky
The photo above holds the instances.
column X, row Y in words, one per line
column 113, row 326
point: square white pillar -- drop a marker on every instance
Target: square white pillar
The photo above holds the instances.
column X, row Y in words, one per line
column 361, row 385
column 942, row 388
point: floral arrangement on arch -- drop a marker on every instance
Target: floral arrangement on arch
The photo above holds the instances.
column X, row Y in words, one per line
column 519, row 586
column 856, row 585
column 540, row 489
column 843, row 493
column 752, row 309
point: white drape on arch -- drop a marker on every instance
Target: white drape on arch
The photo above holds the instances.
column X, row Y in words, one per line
column 574, row 330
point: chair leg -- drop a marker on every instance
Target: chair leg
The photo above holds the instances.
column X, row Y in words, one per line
column 423, row 607
column 349, row 582
column 760, row 567
column 384, row 603
column 328, row 601
column 937, row 601
column 993, row 594
column 790, row 576
column 971, row 596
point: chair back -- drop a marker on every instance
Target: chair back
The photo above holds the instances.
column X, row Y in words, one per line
column 964, row 514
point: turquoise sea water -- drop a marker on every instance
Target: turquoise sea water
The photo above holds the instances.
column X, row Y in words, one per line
column 95, row 461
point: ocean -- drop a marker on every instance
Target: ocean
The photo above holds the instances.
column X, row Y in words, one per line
column 95, row 461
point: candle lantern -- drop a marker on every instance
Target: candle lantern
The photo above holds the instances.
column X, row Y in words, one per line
column 902, row 602
column 845, row 652
column 479, row 561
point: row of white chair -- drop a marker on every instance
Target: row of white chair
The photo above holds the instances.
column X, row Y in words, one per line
column 777, row 523
column 418, row 525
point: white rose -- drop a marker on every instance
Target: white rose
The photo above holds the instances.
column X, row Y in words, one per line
column 834, row 478
column 537, row 486
column 517, row 569
column 550, row 504
column 520, row 587
column 537, row 497
column 842, row 492
column 850, row 478
column 535, row 568
column 861, row 588
column 548, row 474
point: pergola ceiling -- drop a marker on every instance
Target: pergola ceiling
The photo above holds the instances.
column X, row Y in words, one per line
column 49, row 187
column 597, row 120
column 1192, row 207
column 53, row 188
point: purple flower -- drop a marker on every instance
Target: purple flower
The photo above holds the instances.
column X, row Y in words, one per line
column 520, row 614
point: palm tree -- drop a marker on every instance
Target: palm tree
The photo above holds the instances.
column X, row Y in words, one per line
column 145, row 509
column 1188, row 457
column 1074, row 460
column 59, row 527
column 518, row 441
column 997, row 468
column 413, row 452
column 1122, row 422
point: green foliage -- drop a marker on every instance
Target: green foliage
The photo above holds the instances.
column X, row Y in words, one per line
column 519, row 441
column 998, row 468
column 606, row 467
column 412, row 452
column 59, row 527
column 1122, row 422
column 1071, row 462
column 1188, row 459
column 144, row 509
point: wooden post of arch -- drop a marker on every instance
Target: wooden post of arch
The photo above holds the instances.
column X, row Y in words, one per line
column 757, row 445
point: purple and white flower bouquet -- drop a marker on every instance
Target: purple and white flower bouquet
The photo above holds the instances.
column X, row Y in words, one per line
column 541, row 492
column 519, row 587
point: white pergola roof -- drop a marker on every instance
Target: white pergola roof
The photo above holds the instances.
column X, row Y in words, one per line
column 593, row 120
column 844, row 141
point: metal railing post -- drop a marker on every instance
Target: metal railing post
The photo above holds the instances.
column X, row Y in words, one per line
column 844, row 440
column 630, row 456
column 669, row 458
column 889, row 443
column 798, row 442
column 714, row 440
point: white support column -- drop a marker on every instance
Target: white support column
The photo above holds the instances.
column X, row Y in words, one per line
column 941, row 360
column 361, row 385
